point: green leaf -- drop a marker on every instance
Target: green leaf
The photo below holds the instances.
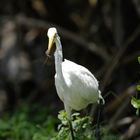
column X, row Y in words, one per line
column 63, row 117
column 139, row 59
column 135, row 102
column 138, row 87
column 137, row 112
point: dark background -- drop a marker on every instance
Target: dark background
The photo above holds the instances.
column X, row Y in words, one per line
column 102, row 35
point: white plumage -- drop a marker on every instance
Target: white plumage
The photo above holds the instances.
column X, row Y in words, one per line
column 81, row 86
column 76, row 85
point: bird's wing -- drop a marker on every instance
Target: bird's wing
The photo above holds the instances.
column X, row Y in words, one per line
column 80, row 80
column 82, row 73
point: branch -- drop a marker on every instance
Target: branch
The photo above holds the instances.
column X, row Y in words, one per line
column 31, row 22
column 110, row 67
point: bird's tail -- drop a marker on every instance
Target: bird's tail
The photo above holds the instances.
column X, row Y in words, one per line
column 101, row 99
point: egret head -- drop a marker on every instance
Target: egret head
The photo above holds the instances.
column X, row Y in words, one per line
column 52, row 32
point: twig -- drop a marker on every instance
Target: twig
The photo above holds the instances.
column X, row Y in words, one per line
column 64, row 33
column 123, row 100
column 116, row 58
column 130, row 58
column 113, row 105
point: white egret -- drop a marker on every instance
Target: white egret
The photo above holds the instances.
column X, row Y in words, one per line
column 76, row 85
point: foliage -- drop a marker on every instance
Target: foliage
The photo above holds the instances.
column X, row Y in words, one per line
column 139, row 59
column 23, row 126
column 83, row 128
column 135, row 101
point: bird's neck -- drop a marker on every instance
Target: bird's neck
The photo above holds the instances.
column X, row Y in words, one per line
column 58, row 59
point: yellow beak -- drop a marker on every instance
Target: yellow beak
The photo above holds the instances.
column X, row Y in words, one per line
column 50, row 46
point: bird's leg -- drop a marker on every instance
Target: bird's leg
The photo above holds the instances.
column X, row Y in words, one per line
column 71, row 130
column 68, row 112
column 97, row 133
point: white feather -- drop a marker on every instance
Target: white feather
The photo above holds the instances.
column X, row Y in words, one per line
column 82, row 86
